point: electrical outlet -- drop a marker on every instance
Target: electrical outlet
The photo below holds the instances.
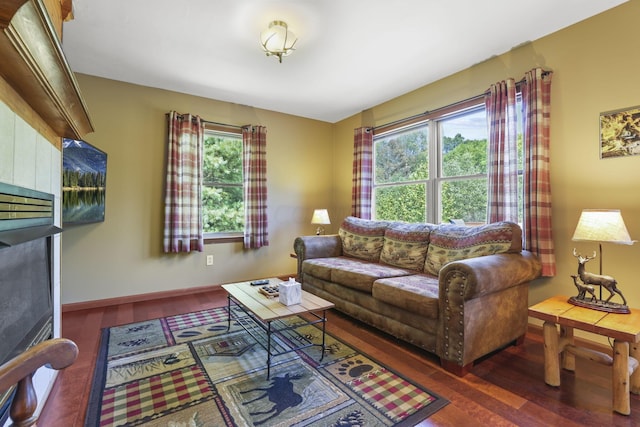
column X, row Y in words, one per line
column 209, row 259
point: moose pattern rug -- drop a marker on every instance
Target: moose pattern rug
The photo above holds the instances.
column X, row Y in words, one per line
column 191, row 370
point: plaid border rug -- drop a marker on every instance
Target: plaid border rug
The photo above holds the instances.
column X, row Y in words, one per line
column 190, row 370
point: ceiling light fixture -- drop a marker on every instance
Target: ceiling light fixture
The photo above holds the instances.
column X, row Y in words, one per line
column 277, row 40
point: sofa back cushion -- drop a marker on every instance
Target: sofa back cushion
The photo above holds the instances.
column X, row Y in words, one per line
column 450, row 242
column 362, row 238
column 405, row 245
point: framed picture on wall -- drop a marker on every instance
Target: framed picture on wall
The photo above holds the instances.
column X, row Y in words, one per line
column 84, row 182
column 620, row 133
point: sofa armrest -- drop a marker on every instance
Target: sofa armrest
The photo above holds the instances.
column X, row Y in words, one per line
column 483, row 304
column 471, row 278
column 307, row 247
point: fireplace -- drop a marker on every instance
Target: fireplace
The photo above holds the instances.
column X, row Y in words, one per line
column 26, row 306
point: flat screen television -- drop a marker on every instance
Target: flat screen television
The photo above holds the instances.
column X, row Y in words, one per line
column 84, row 181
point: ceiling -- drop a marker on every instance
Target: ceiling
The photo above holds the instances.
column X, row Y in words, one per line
column 350, row 56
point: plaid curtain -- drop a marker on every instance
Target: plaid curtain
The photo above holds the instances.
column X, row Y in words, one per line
column 362, row 173
column 500, row 104
column 254, row 164
column 183, row 201
column 536, row 96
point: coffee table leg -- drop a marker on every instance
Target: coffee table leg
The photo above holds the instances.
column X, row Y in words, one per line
column 229, row 312
column 324, row 323
column 621, row 401
column 268, row 350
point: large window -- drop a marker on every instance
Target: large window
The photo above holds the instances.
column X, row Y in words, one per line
column 222, row 189
column 433, row 171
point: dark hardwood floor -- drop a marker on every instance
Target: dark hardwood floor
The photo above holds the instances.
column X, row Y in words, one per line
column 504, row 389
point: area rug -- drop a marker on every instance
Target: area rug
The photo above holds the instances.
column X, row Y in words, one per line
column 190, row 370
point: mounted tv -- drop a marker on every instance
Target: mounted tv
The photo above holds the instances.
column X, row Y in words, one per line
column 84, row 181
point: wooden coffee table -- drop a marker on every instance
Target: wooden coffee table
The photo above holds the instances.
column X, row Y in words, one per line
column 264, row 311
column 623, row 328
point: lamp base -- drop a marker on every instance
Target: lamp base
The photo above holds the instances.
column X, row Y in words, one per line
column 600, row 305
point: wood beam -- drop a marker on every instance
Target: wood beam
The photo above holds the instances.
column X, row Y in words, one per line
column 36, row 68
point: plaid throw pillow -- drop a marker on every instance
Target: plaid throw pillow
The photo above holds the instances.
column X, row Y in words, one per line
column 452, row 243
column 362, row 238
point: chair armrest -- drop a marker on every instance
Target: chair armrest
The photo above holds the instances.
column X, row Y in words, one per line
column 58, row 353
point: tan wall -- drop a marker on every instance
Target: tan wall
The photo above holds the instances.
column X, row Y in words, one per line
column 595, row 70
column 123, row 255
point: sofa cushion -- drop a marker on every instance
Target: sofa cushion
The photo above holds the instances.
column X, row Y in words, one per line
column 405, row 245
column 417, row 293
column 449, row 243
column 350, row 272
column 361, row 238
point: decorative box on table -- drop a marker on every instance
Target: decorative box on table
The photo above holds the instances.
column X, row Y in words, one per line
column 290, row 292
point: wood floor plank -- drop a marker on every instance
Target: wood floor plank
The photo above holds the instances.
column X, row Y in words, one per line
column 504, row 389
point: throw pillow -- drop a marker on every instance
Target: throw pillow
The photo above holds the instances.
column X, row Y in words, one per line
column 362, row 238
column 452, row 243
column 405, row 245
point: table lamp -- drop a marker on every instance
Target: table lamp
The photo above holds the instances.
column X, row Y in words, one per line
column 602, row 226
column 320, row 217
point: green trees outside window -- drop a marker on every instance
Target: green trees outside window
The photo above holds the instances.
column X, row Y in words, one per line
column 222, row 190
column 419, row 181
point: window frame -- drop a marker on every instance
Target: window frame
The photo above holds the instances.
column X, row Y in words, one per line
column 433, row 183
column 223, row 130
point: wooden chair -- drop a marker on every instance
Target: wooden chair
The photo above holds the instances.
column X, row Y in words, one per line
column 58, row 353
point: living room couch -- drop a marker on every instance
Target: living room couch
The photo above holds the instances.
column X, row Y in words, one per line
column 460, row 292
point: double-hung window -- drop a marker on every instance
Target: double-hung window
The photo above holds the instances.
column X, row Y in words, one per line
column 434, row 170
column 222, row 187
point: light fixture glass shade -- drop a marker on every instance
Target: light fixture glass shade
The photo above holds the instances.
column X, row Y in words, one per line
column 277, row 40
column 602, row 225
column 320, row 216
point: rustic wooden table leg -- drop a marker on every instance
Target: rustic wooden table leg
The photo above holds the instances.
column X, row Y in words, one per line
column 621, row 402
column 551, row 360
column 634, row 351
column 568, row 360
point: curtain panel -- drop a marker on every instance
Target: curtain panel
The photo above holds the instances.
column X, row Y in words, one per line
column 536, row 98
column 183, row 191
column 254, row 164
column 362, row 173
column 502, row 162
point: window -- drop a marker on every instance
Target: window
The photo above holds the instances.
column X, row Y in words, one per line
column 222, row 188
column 434, row 171
column 463, row 167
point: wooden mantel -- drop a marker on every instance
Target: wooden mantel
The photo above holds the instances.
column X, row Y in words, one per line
column 33, row 63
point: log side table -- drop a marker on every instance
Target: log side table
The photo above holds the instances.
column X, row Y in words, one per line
column 623, row 328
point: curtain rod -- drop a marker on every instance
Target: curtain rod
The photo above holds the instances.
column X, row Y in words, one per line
column 214, row 123
column 224, row 124
column 429, row 112
column 447, row 107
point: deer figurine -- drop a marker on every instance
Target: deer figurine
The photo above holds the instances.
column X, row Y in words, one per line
column 583, row 289
column 607, row 282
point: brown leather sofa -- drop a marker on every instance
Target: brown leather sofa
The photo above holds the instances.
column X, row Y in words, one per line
column 458, row 292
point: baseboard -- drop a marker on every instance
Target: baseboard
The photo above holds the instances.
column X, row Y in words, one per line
column 75, row 306
column 128, row 299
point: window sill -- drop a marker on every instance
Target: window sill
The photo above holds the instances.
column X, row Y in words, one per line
column 223, row 239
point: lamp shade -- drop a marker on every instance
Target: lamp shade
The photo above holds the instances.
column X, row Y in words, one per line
column 602, row 225
column 320, row 216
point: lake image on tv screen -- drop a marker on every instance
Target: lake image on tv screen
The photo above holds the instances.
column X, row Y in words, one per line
column 84, row 178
